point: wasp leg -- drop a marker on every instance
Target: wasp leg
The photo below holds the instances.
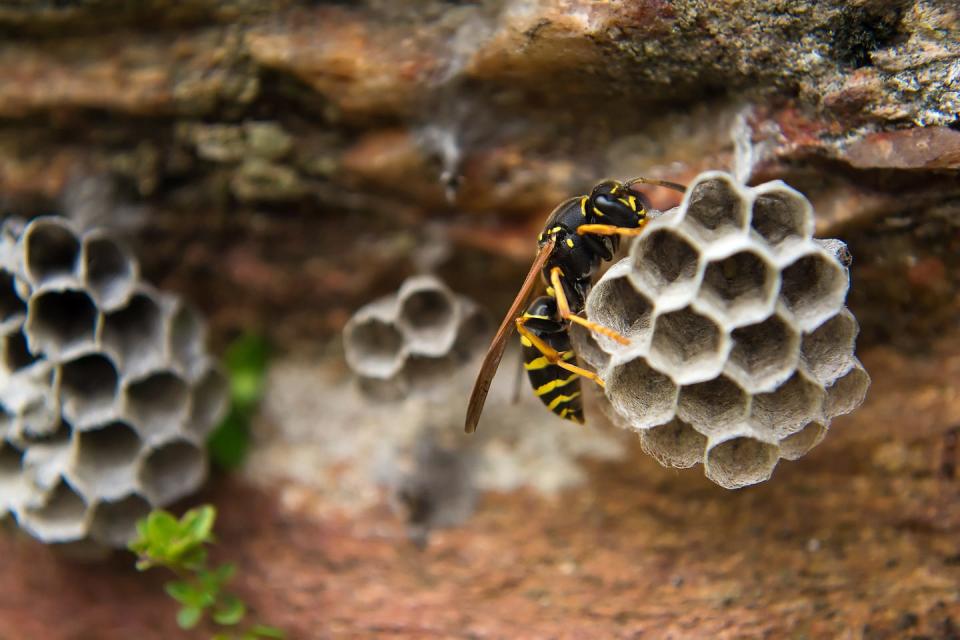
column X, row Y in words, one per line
column 552, row 355
column 564, row 308
column 609, row 230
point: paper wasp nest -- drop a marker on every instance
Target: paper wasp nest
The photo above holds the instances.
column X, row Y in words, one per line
column 107, row 392
column 413, row 340
column 742, row 350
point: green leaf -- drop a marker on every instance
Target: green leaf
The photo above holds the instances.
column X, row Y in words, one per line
column 214, row 580
column 144, row 563
column 246, row 361
column 197, row 524
column 225, row 572
column 185, row 593
column 231, row 611
column 194, row 559
column 141, row 540
column 263, row 631
column 246, row 387
column 229, row 443
column 188, row 617
column 161, row 527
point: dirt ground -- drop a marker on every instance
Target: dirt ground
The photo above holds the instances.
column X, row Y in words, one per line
column 859, row 539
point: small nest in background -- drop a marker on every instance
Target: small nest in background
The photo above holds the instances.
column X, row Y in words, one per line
column 108, row 394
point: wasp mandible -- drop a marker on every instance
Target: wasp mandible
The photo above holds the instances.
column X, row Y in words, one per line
column 578, row 235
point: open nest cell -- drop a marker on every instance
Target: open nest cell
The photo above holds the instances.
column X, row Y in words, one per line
column 51, row 251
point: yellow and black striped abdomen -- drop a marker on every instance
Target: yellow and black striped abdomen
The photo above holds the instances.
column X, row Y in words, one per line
column 556, row 387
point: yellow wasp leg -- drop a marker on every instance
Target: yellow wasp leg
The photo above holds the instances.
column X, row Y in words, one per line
column 609, row 230
column 563, row 306
column 552, row 355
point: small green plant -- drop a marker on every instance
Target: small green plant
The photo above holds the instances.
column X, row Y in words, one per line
column 246, row 364
column 181, row 546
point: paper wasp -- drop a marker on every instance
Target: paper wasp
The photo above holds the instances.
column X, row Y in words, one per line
column 579, row 234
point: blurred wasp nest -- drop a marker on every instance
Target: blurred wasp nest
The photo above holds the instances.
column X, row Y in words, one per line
column 741, row 349
column 413, row 340
column 107, row 392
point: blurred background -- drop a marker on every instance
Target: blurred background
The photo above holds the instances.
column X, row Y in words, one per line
column 280, row 164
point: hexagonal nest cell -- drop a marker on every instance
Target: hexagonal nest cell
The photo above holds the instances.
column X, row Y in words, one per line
column 374, row 348
column 714, row 406
column 114, row 522
column 827, row 350
column 814, row 288
column 158, row 403
column 665, row 266
column 172, row 471
column 740, row 288
column 619, row 306
column 427, row 315
column 781, row 216
column 785, row 410
column 51, row 250
column 847, row 392
column 59, row 322
column 412, row 341
column 751, row 345
column 209, row 400
column 106, row 460
column 16, row 352
column 796, row 445
column 102, row 373
column 740, row 461
column 109, row 272
column 11, row 305
column 687, row 346
column 763, row 354
column 642, row 395
column 135, row 334
column 88, row 386
column 675, row 444
column 186, row 340
column 60, row 518
column 714, row 208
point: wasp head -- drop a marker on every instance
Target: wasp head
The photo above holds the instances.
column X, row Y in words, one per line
column 612, row 202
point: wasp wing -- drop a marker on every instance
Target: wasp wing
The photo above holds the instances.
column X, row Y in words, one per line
column 495, row 353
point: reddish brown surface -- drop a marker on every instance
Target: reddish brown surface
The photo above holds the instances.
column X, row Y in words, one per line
column 859, row 539
column 932, row 148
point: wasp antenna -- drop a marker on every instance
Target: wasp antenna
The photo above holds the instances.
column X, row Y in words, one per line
column 656, row 182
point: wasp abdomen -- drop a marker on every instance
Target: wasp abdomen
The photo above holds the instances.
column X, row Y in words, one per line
column 556, row 387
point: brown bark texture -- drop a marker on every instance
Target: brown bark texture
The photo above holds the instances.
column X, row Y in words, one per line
column 280, row 163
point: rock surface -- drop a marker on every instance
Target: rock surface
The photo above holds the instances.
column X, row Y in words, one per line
column 282, row 163
column 859, row 539
column 307, row 148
